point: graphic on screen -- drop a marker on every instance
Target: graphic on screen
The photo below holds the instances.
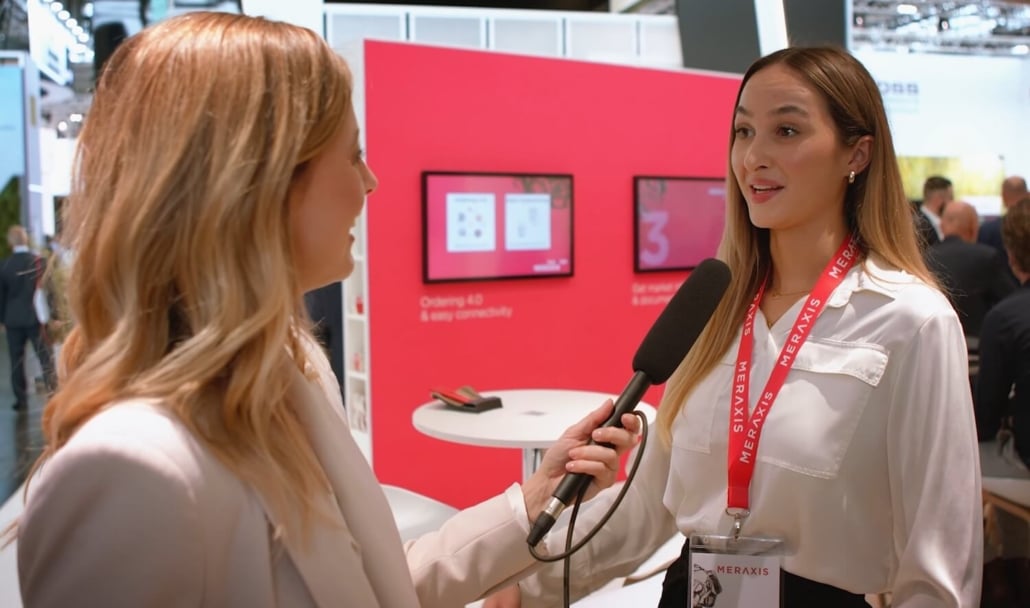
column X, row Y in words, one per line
column 471, row 225
column 679, row 221
column 481, row 226
column 527, row 222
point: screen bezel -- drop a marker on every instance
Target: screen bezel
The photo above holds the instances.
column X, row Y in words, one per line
column 425, row 177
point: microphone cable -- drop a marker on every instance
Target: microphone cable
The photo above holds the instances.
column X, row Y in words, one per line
column 570, row 550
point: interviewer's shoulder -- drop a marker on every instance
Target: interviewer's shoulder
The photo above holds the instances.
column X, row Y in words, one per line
column 133, row 429
column 123, row 484
column 139, row 438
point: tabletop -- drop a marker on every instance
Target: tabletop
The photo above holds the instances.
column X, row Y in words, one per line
column 528, row 418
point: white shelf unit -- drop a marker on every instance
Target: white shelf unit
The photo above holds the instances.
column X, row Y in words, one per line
column 356, row 387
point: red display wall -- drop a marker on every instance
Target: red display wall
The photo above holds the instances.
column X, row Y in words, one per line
column 436, row 109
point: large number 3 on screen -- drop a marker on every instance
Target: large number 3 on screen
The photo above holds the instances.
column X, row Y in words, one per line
column 658, row 251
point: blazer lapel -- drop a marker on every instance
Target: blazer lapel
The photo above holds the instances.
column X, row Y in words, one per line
column 364, row 542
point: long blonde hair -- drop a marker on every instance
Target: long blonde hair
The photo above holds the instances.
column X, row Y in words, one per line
column 183, row 289
column 875, row 207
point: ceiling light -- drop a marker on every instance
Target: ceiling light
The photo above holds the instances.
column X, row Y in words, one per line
column 56, row 6
column 1021, row 49
column 908, row 9
column 84, row 37
column 63, row 15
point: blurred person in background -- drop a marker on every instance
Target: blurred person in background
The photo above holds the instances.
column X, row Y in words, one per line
column 975, row 276
column 937, row 191
column 21, row 274
column 1013, row 189
column 1003, row 386
column 1003, row 417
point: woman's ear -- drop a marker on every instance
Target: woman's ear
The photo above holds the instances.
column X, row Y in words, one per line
column 860, row 154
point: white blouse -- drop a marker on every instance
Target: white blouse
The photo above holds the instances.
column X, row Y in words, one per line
column 867, row 468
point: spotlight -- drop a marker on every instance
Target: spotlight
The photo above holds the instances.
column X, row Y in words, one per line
column 943, row 25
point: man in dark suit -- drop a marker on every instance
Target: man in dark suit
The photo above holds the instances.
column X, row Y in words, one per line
column 1003, row 387
column 1013, row 189
column 1003, row 411
column 937, row 191
column 19, row 276
column 973, row 274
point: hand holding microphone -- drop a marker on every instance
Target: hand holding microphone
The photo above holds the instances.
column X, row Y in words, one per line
column 586, row 448
column 663, row 349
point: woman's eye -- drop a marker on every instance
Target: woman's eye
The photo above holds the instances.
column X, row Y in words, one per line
column 740, row 132
column 788, row 131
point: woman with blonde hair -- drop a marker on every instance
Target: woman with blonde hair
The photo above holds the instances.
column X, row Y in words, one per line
column 197, row 453
column 826, row 408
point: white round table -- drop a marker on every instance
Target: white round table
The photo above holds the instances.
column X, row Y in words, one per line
column 529, row 419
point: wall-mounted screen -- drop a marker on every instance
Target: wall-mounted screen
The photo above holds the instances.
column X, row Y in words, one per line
column 678, row 221
column 481, row 226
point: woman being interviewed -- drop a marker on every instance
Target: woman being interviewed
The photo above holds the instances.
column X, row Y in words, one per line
column 827, row 405
column 196, row 450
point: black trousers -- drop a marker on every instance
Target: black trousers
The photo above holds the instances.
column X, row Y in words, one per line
column 798, row 592
column 17, row 338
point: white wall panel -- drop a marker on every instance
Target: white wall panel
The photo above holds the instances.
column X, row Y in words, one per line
column 527, row 36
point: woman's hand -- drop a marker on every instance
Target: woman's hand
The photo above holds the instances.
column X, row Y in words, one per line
column 508, row 597
column 571, row 454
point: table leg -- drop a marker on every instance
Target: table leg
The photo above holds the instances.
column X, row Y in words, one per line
column 531, row 459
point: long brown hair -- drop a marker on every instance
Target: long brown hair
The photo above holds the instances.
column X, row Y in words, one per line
column 875, row 207
column 182, row 288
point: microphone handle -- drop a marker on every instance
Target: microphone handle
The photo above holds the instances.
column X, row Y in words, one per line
column 573, row 483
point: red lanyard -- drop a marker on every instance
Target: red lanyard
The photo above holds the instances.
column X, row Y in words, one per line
column 745, row 431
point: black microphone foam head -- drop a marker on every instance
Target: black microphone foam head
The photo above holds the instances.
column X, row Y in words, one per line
column 680, row 324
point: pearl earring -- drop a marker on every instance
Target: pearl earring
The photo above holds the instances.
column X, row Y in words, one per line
column 851, row 177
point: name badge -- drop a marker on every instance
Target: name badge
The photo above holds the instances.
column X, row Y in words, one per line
column 727, row 572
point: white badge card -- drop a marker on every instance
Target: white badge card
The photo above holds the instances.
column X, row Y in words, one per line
column 726, row 573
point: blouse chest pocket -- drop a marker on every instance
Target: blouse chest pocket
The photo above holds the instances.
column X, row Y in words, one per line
column 814, row 417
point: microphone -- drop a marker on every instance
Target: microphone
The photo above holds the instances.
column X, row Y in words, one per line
column 664, row 347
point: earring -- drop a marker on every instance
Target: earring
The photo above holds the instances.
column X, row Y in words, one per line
column 851, row 177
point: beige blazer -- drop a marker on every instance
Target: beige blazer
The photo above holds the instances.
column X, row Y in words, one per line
column 134, row 512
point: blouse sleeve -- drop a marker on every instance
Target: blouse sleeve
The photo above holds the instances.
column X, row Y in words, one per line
column 639, row 526
column 934, row 472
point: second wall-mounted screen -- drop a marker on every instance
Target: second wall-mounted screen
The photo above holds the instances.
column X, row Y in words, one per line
column 678, row 221
column 480, row 226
